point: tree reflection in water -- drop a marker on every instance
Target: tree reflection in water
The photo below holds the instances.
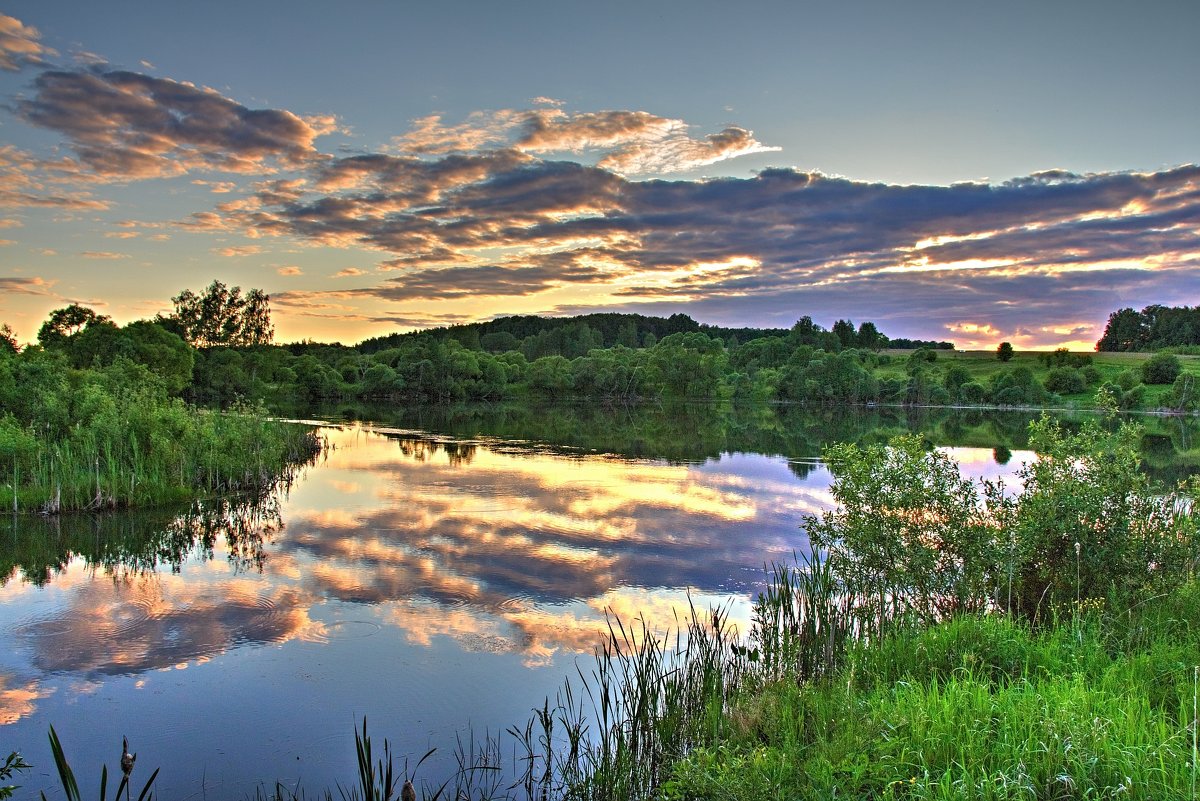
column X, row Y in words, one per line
column 128, row 543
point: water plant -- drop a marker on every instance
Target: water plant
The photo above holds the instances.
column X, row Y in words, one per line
column 113, row 435
column 13, row 764
column 70, row 786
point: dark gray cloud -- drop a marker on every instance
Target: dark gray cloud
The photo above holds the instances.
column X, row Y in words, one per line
column 127, row 125
column 970, row 252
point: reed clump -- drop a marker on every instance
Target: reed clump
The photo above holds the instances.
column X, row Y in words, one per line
column 112, row 437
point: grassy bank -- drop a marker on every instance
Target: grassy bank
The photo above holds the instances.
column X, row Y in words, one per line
column 948, row 646
column 1121, row 372
column 113, row 437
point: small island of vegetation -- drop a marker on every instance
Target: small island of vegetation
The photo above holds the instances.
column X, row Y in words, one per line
column 92, row 418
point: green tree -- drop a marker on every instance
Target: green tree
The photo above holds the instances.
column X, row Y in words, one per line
column 1185, row 394
column 222, row 316
column 844, row 331
column 1126, row 330
column 64, row 324
column 550, row 376
column 956, row 376
column 1005, row 351
column 870, row 338
column 8, row 340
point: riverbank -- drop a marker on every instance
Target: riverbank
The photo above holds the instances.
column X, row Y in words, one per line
column 946, row 647
column 628, row 740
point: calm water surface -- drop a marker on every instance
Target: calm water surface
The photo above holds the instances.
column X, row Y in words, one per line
column 432, row 581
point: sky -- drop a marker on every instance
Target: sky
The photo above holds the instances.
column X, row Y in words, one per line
column 968, row 171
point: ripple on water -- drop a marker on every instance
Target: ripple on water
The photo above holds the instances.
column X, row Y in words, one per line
column 351, row 630
column 43, row 627
column 516, row 603
column 130, row 616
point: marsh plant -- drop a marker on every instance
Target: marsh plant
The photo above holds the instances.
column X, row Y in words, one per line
column 70, row 785
column 112, row 437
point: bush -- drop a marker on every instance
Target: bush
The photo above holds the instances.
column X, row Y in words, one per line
column 908, row 529
column 1089, row 524
column 1065, row 381
column 1128, row 379
column 972, row 392
column 1161, row 368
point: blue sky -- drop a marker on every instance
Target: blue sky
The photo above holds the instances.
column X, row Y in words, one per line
column 964, row 171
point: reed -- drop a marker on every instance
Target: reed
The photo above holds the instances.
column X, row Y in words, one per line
column 70, row 785
column 144, row 452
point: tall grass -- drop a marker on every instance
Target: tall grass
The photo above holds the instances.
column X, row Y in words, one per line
column 142, row 452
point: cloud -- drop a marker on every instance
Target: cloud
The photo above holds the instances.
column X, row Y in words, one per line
column 217, row 187
column 26, row 286
column 783, row 239
column 678, row 153
column 628, row 142
column 20, row 45
column 289, row 270
column 459, row 282
column 10, row 223
column 127, row 125
column 238, row 250
column 543, row 201
column 22, row 184
column 103, row 255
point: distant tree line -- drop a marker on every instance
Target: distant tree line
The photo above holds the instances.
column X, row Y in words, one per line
column 1153, row 328
column 574, row 336
column 215, row 350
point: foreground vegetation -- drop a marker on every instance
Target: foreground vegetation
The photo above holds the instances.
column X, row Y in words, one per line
column 948, row 646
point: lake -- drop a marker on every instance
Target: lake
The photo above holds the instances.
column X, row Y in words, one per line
column 440, row 572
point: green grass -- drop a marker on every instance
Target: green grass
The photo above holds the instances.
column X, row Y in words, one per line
column 983, row 366
column 980, row 707
column 137, row 454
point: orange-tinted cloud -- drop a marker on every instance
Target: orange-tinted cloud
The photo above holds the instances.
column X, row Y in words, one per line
column 20, row 45
column 632, row 142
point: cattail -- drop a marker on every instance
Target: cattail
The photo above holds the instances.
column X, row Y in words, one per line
column 127, row 759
